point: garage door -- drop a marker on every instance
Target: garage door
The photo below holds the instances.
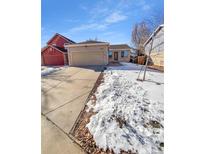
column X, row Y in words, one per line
column 53, row 59
column 87, row 58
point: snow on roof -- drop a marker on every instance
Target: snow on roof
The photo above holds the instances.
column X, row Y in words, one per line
column 65, row 38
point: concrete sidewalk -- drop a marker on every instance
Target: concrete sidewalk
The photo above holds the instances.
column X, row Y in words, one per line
column 63, row 96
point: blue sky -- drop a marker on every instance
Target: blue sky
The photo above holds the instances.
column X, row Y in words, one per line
column 106, row 20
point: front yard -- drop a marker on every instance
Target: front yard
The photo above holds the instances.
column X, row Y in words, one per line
column 124, row 115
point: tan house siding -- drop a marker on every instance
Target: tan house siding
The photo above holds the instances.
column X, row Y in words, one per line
column 158, row 58
column 157, row 53
column 81, row 55
column 120, row 59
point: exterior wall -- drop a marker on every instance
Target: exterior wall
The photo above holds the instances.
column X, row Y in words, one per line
column 66, row 59
column 120, row 59
column 88, row 55
column 157, row 53
column 158, row 58
column 59, row 41
column 51, row 56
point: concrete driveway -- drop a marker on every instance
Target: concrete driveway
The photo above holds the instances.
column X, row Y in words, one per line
column 63, row 97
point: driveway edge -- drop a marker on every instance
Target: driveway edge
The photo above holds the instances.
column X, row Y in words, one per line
column 70, row 134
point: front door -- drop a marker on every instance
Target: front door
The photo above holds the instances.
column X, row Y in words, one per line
column 115, row 55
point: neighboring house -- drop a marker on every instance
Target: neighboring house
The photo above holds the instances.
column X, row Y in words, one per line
column 119, row 53
column 88, row 53
column 97, row 53
column 157, row 53
column 55, row 53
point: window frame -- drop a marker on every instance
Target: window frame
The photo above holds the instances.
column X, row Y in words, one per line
column 110, row 55
column 122, row 54
column 126, row 51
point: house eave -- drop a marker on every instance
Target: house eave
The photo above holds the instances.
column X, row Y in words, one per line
column 154, row 33
column 120, row 49
column 85, row 45
column 54, row 48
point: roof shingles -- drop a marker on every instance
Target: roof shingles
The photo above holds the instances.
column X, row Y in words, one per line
column 90, row 42
column 119, row 46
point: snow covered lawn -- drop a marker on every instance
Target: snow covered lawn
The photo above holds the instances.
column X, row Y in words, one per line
column 48, row 70
column 129, row 114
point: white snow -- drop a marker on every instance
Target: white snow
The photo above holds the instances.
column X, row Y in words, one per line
column 49, row 70
column 122, row 97
column 89, row 105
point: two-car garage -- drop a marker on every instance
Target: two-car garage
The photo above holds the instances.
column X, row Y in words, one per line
column 89, row 53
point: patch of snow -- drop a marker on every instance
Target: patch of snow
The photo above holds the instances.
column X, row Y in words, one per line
column 89, row 105
column 130, row 113
column 49, row 70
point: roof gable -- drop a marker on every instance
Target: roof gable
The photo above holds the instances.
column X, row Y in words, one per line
column 61, row 36
column 55, row 47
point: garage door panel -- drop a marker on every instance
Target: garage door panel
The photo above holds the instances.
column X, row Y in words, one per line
column 52, row 56
column 88, row 58
column 53, row 60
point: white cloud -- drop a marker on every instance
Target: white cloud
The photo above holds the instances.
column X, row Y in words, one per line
column 146, row 7
column 89, row 26
column 115, row 17
column 108, row 33
column 98, row 11
column 71, row 20
column 83, row 7
column 101, row 25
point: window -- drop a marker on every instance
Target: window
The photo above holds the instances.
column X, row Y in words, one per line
column 110, row 54
column 124, row 53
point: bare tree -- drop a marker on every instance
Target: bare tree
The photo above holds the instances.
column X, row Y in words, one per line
column 140, row 34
